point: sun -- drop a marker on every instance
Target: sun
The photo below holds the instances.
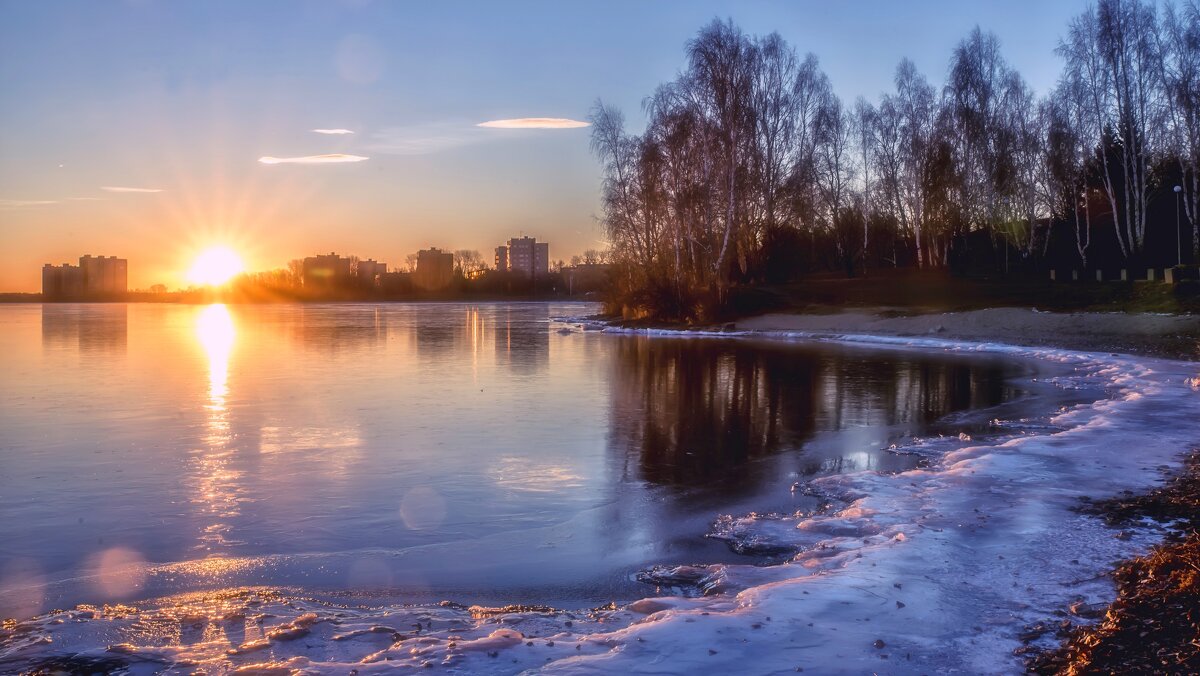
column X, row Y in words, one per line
column 215, row 266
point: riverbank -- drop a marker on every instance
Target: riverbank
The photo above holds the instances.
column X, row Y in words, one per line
column 1173, row 336
column 1153, row 625
column 938, row 291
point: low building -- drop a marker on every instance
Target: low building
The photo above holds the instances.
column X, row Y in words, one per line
column 369, row 272
column 395, row 282
column 325, row 272
column 435, row 270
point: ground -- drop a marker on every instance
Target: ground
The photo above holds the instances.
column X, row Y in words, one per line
column 1176, row 336
column 938, row 291
column 1154, row 625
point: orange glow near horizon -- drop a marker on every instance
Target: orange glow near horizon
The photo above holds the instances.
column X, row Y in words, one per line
column 215, row 266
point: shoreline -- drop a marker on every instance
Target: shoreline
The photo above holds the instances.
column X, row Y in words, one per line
column 1152, row 621
column 1154, row 335
column 1162, row 336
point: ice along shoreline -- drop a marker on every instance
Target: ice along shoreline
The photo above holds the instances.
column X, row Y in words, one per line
column 1171, row 336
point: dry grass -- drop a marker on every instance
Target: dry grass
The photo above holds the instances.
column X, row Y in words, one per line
column 1154, row 624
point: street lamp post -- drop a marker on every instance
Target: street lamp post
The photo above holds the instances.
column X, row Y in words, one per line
column 1178, row 237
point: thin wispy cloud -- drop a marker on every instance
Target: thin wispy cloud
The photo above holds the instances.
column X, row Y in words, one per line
column 427, row 138
column 434, row 137
column 86, row 199
column 333, row 131
column 119, row 188
column 16, row 204
column 333, row 158
column 535, row 123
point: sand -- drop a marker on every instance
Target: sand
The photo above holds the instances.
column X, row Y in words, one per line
column 1175, row 336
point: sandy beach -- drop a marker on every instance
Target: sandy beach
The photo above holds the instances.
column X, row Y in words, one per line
column 1176, row 336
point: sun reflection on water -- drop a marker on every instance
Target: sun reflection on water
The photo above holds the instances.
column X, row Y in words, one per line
column 216, row 333
column 218, row 489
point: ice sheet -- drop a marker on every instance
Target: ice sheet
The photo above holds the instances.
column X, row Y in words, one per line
column 934, row 570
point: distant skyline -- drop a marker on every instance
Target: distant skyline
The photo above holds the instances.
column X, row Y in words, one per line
column 152, row 130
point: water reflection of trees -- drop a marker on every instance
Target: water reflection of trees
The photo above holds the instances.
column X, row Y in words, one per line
column 691, row 411
column 337, row 329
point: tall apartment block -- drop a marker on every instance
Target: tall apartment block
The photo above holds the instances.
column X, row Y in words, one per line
column 524, row 255
column 435, row 269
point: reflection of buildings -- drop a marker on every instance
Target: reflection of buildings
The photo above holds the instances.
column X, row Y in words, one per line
column 518, row 336
column 88, row 328
column 94, row 276
column 435, row 270
column 523, row 338
column 525, row 256
column 435, row 336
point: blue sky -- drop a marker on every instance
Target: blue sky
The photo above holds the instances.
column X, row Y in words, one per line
column 183, row 97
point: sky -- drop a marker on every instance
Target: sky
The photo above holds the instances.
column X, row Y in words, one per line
column 137, row 128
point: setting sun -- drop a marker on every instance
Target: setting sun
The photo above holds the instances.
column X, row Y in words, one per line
column 214, row 266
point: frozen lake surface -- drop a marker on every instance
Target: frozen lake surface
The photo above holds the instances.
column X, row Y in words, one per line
column 243, row 476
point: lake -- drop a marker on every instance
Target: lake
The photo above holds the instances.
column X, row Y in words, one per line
column 478, row 452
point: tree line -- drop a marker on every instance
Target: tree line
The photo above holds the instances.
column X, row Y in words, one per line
column 751, row 169
column 470, row 277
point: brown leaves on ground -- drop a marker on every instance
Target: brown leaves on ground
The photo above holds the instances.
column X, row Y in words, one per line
column 1154, row 625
